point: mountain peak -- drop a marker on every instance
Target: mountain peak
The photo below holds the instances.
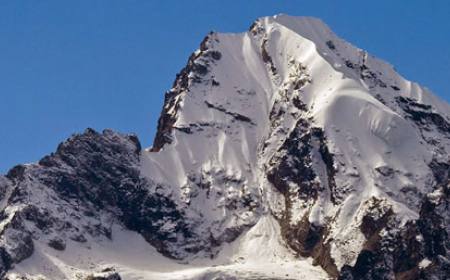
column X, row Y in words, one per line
column 291, row 106
column 280, row 146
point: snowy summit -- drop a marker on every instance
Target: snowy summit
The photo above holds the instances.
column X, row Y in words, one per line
column 282, row 152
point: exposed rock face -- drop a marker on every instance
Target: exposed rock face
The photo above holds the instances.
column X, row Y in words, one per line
column 400, row 253
column 106, row 274
column 284, row 123
column 89, row 174
column 194, row 72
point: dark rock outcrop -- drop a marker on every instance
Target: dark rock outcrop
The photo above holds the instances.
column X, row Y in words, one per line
column 423, row 115
column 293, row 175
column 197, row 66
column 105, row 274
column 419, row 250
column 89, row 174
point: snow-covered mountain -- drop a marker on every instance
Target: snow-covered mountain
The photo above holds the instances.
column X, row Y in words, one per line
column 282, row 152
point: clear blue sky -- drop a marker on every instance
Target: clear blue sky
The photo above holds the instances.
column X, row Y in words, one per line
column 68, row 65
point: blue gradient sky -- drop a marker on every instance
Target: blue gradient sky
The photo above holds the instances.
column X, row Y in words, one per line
column 68, row 65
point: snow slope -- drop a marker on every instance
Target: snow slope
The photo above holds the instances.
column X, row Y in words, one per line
column 134, row 258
